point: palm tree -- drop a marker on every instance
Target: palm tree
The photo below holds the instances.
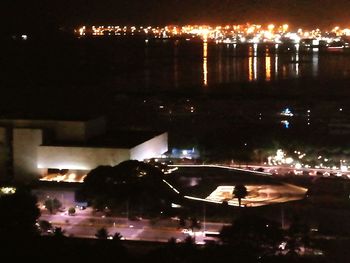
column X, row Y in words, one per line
column 182, row 222
column 117, row 236
column 44, row 226
column 102, row 233
column 240, row 192
column 58, row 232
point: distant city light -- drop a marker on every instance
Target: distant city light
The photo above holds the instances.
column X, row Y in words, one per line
column 285, row 124
column 289, row 160
column 7, row 190
column 344, row 168
column 279, row 158
column 251, row 33
column 287, row 112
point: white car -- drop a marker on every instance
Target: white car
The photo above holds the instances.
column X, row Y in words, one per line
column 187, row 231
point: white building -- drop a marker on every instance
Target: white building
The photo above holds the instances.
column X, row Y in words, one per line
column 31, row 149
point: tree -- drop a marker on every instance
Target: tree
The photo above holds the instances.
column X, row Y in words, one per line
column 19, row 215
column 253, row 233
column 298, row 236
column 189, row 241
column 45, row 226
column 58, row 232
column 117, row 236
column 194, row 223
column 182, row 222
column 56, row 203
column 102, row 233
column 52, row 205
column 49, row 205
column 172, row 242
column 239, row 192
column 139, row 184
column 71, row 211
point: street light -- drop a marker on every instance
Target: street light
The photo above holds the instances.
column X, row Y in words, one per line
column 343, row 167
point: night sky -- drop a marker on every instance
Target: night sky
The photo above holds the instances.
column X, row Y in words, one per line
column 16, row 13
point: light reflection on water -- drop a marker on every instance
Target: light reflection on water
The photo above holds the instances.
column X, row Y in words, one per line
column 260, row 67
column 206, row 64
column 268, row 68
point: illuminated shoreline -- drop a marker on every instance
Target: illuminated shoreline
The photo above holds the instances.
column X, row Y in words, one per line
column 247, row 33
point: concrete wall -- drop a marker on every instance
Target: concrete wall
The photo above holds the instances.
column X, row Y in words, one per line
column 79, row 158
column 25, row 143
column 154, row 147
column 24, row 138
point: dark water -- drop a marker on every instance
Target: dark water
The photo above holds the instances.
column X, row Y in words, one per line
column 251, row 86
column 209, row 95
column 181, row 64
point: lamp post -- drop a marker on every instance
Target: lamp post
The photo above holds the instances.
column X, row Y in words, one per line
column 342, row 167
column 127, row 210
column 204, row 217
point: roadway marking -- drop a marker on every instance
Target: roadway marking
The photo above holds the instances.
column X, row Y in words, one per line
column 166, row 229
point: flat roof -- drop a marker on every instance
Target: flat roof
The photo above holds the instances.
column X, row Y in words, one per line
column 47, row 116
column 116, row 139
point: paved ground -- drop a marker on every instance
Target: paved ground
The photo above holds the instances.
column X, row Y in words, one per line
column 259, row 195
column 262, row 188
column 83, row 224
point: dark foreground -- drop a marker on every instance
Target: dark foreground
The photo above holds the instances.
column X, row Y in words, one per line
column 55, row 249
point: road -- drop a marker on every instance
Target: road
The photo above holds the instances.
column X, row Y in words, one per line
column 272, row 169
column 284, row 169
column 85, row 225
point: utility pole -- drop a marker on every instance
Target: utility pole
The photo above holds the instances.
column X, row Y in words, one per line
column 127, row 210
column 204, row 217
column 63, row 201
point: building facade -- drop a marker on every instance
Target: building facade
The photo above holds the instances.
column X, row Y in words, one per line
column 32, row 149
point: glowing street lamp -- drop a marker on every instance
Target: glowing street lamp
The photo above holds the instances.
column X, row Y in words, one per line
column 343, row 167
